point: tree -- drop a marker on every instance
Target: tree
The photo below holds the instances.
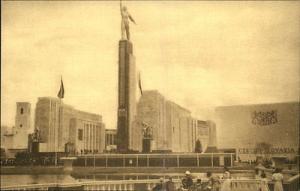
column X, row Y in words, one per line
column 198, row 146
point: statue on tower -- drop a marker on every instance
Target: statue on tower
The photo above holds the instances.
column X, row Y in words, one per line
column 125, row 21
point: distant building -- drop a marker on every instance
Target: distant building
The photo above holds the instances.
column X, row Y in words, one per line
column 4, row 130
column 22, row 125
column 261, row 129
column 200, row 133
column 205, row 132
column 212, row 140
column 63, row 128
column 110, row 139
column 16, row 139
column 170, row 124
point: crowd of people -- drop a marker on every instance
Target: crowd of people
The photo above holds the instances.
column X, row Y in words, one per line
column 217, row 183
column 277, row 177
column 187, row 183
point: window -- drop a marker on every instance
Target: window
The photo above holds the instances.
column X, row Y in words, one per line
column 21, row 125
column 80, row 134
column 22, row 111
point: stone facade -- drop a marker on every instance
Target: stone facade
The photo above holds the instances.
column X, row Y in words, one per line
column 178, row 128
column 4, row 138
column 88, row 132
column 171, row 124
column 22, row 125
column 110, row 139
column 59, row 124
column 16, row 138
column 243, row 127
column 201, row 131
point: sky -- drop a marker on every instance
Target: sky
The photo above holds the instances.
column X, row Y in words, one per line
column 198, row 54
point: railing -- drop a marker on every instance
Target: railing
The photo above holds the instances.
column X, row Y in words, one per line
column 245, row 185
column 156, row 160
column 237, row 185
column 293, row 183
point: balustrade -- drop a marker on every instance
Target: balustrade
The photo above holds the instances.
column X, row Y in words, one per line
column 148, row 184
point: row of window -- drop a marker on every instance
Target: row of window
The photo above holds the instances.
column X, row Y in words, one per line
column 80, row 131
column 110, row 139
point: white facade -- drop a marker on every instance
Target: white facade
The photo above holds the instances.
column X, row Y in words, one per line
column 244, row 127
column 59, row 124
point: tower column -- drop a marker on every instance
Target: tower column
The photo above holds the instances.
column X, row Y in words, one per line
column 126, row 99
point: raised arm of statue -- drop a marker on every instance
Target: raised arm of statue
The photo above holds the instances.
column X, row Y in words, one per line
column 121, row 6
column 130, row 17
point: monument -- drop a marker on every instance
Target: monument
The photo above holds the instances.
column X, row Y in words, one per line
column 126, row 85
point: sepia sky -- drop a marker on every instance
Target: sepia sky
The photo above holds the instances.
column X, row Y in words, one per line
column 197, row 54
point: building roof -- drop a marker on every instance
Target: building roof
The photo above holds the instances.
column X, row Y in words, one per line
column 167, row 100
column 256, row 105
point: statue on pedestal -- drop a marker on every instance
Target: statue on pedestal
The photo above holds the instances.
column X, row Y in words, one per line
column 125, row 22
column 147, row 131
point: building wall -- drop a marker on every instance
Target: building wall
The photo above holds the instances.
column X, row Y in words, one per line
column 171, row 124
column 22, row 126
column 244, row 126
column 201, row 132
column 60, row 125
column 110, row 139
column 212, row 134
column 4, row 132
column 179, row 123
column 46, row 121
column 88, row 136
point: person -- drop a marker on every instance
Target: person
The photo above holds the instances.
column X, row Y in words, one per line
column 169, row 185
column 226, row 172
column 213, row 182
column 278, row 178
column 257, row 174
column 159, row 186
column 226, row 185
column 187, row 181
column 198, row 185
column 264, row 183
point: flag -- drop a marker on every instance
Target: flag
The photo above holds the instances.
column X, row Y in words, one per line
column 61, row 92
column 140, row 84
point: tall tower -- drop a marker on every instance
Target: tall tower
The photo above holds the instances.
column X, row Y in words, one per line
column 126, row 99
column 22, row 125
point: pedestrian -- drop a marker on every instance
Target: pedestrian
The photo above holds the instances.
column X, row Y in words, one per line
column 213, row 182
column 264, row 183
column 187, row 181
column 198, row 185
column 226, row 185
column 226, row 172
column 257, row 175
column 159, row 186
column 170, row 185
column 278, row 178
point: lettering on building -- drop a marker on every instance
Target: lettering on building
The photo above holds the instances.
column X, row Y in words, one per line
column 264, row 151
column 264, row 118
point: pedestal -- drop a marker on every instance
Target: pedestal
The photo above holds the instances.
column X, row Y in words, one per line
column 68, row 163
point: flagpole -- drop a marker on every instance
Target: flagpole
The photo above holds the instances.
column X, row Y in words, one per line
column 59, row 126
column 60, row 96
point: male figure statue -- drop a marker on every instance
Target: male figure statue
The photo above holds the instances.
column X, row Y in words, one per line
column 125, row 22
